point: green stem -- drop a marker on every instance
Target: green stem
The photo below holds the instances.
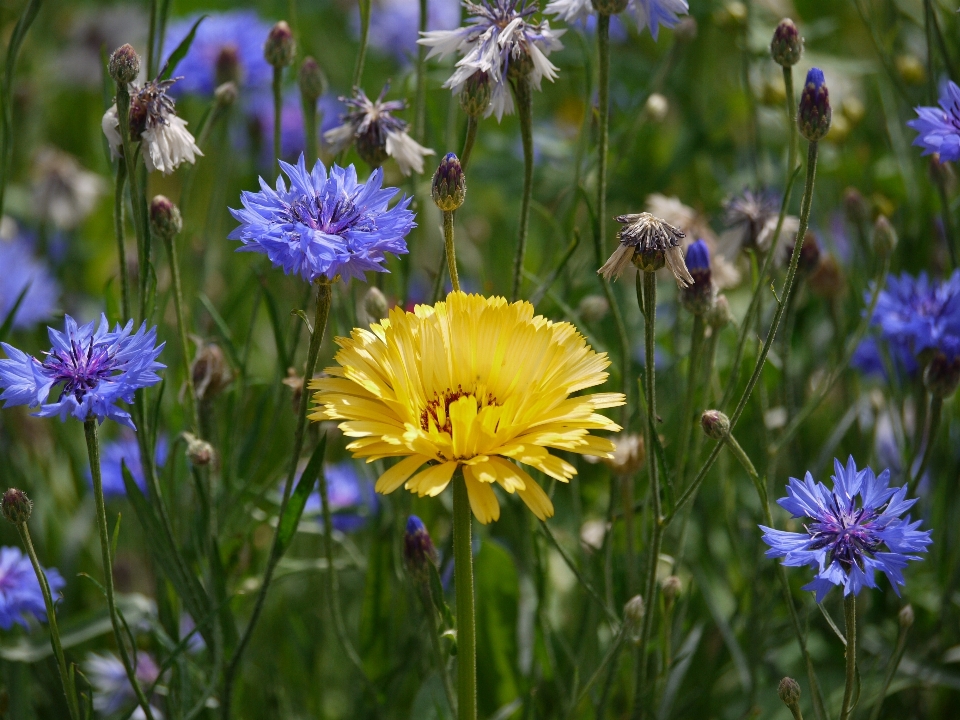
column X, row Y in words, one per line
column 277, row 112
column 929, row 437
column 93, row 450
column 472, row 124
column 603, row 48
column 310, row 129
column 426, row 599
column 182, row 329
column 121, row 247
column 151, row 39
column 524, row 96
column 364, row 33
column 324, row 298
column 891, row 671
column 69, row 688
column 420, row 104
column 449, row 250
column 850, row 625
column 441, row 274
column 791, row 104
column 466, row 614
column 688, row 410
column 952, row 239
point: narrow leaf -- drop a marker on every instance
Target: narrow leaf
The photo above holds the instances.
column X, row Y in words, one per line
column 116, row 536
column 181, row 50
column 291, row 516
column 8, row 321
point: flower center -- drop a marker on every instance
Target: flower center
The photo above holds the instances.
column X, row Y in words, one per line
column 848, row 533
column 80, row 370
column 437, row 411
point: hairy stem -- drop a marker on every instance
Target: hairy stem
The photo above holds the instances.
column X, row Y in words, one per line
column 603, row 47
column 449, row 250
column 420, row 104
column 472, row 124
column 850, row 626
column 929, row 438
column 466, row 613
column 524, row 96
column 688, row 409
column 364, row 33
column 121, row 248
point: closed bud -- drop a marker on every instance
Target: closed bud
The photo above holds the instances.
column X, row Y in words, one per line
column 375, row 304
column 789, row 691
column 787, row 45
column 855, row 206
column 814, row 113
column 199, row 452
column 418, row 549
column 671, row 588
column 280, row 48
column 633, row 613
column 610, row 7
column 884, row 237
column 16, row 506
column 719, row 315
column 449, row 186
column 210, row 371
column 227, row 65
column 593, row 308
column 313, row 83
column 715, row 424
column 906, row 617
column 165, row 220
column 942, row 375
column 226, row 94
column 698, row 298
column 124, row 65
column 475, row 95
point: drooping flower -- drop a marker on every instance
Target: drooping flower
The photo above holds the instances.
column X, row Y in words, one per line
column 856, row 530
column 228, row 46
column 472, row 383
column 94, row 369
column 938, row 128
column 351, row 496
column 64, row 193
column 648, row 13
column 917, row 314
column 501, row 41
column 125, row 450
column 113, row 692
column 154, row 122
column 22, row 271
column 644, row 235
column 324, row 225
column 394, row 23
column 20, row 595
column 370, row 124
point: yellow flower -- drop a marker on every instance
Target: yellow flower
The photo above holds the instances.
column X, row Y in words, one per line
column 472, row 382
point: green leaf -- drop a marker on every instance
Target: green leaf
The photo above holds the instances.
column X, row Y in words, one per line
column 116, row 536
column 498, row 585
column 180, row 51
column 277, row 324
column 298, row 500
column 8, row 321
column 430, row 702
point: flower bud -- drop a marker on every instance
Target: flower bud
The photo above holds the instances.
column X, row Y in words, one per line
column 418, row 549
column 16, row 506
column 375, row 304
column 828, row 281
column 942, row 375
column 165, row 220
column 809, row 254
column 698, row 298
column 633, row 613
column 210, row 371
column 199, row 452
column 593, row 308
column 719, row 315
column 855, row 206
column 313, row 83
column 671, row 588
column 884, row 237
column 280, row 48
column 475, row 95
column 715, row 424
column 787, row 45
column 789, row 691
column 226, row 94
column 906, row 617
column 814, row 114
column 227, row 65
column 610, row 7
column 124, row 65
column 449, row 186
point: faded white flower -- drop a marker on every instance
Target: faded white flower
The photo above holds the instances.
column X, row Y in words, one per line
column 64, row 193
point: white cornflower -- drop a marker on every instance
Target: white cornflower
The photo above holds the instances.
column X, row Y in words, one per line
column 377, row 133
column 500, row 41
column 648, row 13
column 64, row 193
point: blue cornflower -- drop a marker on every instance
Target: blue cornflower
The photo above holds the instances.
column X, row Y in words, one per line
column 849, row 538
column 324, row 225
column 868, row 358
column 351, row 495
column 126, row 449
column 917, row 314
column 939, row 128
column 96, row 368
column 22, row 270
column 227, row 46
column 112, row 689
column 649, row 13
column 20, row 594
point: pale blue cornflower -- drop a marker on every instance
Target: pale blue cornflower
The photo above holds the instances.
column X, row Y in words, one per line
column 856, row 530
column 324, row 224
column 351, row 495
column 93, row 368
column 499, row 38
column 938, row 128
column 20, row 595
column 917, row 314
column 648, row 13
column 22, row 271
column 125, row 450
column 112, row 690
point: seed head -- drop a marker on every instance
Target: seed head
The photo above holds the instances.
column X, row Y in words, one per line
column 715, row 424
column 165, row 220
column 124, row 65
column 449, row 186
column 787, row 45
column 16, row 506
column 814, row 114
column 211, row 373
column 199, row 452
column 280, row 48
column 226, row 94
column 671, row 588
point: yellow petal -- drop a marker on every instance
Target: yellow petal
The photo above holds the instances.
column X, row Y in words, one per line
column 433, row 480
column 483, row 501
column 395, row 476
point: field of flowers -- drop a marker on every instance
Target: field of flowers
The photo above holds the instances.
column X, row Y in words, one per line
column 500, row 359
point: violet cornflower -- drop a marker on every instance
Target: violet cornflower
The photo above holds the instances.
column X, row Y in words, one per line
column 94, row 369
column 918, row 314
column 938, row 128
column 20, row 595
column 25, row 274
column 856, row 530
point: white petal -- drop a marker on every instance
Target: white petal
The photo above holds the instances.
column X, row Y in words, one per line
column 110, row 124
column 167, row 146
column 406, row 151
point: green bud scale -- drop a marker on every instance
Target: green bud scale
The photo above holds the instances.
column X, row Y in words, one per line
column 449, row 187
column 17, row 507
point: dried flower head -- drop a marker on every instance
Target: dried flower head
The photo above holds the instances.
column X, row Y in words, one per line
column 646, row 233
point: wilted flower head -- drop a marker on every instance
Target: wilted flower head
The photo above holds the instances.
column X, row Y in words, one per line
column 747, row 214
column 499, row 40
column 856, row 530
column 324, row 225
column 918, row 314
column 112, row 690
column 20, row 595
column 125, row 451
column 210, row 370
column 377, row 133
column 63, row 192
column 939, row 128
column 153, row 121
column 645, row 233
column 24, row 272
column 94, row 370
column 228, row 46
column 649, row 13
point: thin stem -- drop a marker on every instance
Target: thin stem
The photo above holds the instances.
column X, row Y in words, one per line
column 791, row 104
column 426, row 598
column 420, row 109
column 524, row 96
column 949, row 234
column 151, row 39
column 66, row 679
column 441, row 274
column 603, row 48
column 449, row 249
column 93, row 450
column 324, row 298
column 891, row 671
column 364, row 33
column 472, row 124
column 929, row 437
column 121, row 248
column 688, row 410
column 466, row 613
column 310, row 128
column 850, row 625
column 277, row 112
column 182, row 329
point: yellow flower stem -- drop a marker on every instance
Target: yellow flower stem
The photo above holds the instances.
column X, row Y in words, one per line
column 449, row 249
column 466, row 612
column 93, row 450
column 850, row 620
column 524, row 96
column 324, row 299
